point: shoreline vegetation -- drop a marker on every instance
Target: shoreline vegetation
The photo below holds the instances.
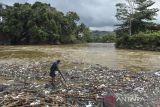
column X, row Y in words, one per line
column 142, row 41
column 149, row 41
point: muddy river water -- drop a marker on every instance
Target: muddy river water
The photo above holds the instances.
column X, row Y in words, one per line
column 93, row 53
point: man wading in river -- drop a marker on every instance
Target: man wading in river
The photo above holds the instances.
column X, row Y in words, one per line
column 53, row 69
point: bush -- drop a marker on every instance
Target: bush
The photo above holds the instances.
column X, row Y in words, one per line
column 142, row 40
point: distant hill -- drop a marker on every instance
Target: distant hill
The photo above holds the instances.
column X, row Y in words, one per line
column 102, row 33
column 102, row 36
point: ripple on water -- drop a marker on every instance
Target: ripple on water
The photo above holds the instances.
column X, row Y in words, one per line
column 94, row 53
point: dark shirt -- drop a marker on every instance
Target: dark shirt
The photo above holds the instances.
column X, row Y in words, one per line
column 53, row 68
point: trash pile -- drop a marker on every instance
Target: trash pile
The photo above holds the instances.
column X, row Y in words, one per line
column 90, row 86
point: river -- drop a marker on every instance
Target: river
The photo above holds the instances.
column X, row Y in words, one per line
column 93, row 53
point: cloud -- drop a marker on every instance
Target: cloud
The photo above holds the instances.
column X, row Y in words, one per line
column 97, row 14
column 156, row 5
column 10, row 2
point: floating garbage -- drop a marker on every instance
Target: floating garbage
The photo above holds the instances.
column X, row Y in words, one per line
column 157, row 73
column 89, row 104
column 86, row 87
column 37, row 102
column 139, row 89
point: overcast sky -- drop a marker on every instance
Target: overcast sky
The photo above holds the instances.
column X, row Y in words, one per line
column 96, row 14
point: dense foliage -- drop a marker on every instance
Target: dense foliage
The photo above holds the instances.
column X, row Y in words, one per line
column 40, row 23
column 136, row 17
column 102, row 36
column 142, row 40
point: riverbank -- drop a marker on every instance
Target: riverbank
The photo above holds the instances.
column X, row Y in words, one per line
column 146, row 48
column 94, row 84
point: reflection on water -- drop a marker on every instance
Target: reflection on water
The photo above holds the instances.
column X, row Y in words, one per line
column 94, row 53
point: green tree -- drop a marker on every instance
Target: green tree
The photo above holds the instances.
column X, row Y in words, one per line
column 135, row 15
column 38, row 23
column 83, row 33
column 69, row 26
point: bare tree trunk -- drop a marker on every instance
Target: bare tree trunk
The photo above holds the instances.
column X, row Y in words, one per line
column 130, row 26
column 131, row 8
